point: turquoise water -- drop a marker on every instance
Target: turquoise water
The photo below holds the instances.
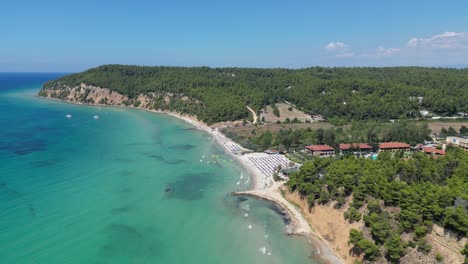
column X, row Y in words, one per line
column 128, row 187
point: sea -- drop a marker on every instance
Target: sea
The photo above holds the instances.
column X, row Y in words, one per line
column 115, row 185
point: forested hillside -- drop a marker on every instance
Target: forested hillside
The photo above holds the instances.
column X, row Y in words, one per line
column 349, row 93
column 398, row 199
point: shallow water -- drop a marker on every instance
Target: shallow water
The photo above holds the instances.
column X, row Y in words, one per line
column 129, row 187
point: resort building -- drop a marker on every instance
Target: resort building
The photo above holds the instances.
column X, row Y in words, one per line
column 461, row 142
column 433, row 151
column 394, row 146
column 356, row 148
column 321, row 150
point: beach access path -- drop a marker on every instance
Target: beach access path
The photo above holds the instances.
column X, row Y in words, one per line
column 255, row 119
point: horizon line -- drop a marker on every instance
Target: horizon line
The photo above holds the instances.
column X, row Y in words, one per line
column 454, row 67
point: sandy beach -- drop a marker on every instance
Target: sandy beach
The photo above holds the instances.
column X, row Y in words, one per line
column 298, row 225
column 221, row 139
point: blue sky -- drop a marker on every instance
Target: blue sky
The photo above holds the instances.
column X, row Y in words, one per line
column 76, row 35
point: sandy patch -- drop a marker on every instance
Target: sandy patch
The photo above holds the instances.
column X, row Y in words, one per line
column 284, row 113
column 436, row 127
column 329, row 224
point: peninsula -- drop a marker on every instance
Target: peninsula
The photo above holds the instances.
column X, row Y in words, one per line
column 367, row 201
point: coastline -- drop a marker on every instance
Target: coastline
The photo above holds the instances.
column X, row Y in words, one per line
column 298, row 225
column 219, row 137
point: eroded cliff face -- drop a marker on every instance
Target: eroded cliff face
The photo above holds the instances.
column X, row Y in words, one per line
column 87, row 94
column 177, row 104
column 330, row 224
column 447, row 243
column 333, row 228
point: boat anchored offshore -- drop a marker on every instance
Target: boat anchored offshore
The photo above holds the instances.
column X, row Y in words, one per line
column 96, row 117
column 68, row 116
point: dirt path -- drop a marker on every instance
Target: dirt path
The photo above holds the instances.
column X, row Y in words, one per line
column 254, row 115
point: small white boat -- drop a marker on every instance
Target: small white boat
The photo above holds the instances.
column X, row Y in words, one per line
column 96, row 117
column 68, row 116
column 262, row 250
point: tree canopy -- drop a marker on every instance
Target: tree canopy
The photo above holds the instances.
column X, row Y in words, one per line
column 349, row 93
column 395, row 195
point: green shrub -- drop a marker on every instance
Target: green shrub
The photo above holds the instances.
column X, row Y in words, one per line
column 419, row 231
column 276, row 111
column 423, row 246
column 395, row 248
column 352, row 215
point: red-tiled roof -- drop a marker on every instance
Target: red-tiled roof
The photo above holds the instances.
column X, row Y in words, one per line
column 355, row 146
column 393, row 145
column 320, row 148
column 430, row 150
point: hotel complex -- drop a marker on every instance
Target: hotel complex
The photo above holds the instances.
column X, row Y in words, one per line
column 461, row 142
column 363, row 149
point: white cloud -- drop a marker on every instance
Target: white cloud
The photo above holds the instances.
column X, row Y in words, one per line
column 448, row 48
column 386, row 52
column 381, row 52
column 336, row 46
column 446, row 40
column 339, row 49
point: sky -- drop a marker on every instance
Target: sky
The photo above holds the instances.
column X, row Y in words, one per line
column 71, row 36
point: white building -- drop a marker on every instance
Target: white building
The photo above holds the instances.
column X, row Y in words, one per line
column 461, row 142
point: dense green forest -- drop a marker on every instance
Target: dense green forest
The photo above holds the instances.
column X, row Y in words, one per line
column 392, row 195
column 348, row 93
